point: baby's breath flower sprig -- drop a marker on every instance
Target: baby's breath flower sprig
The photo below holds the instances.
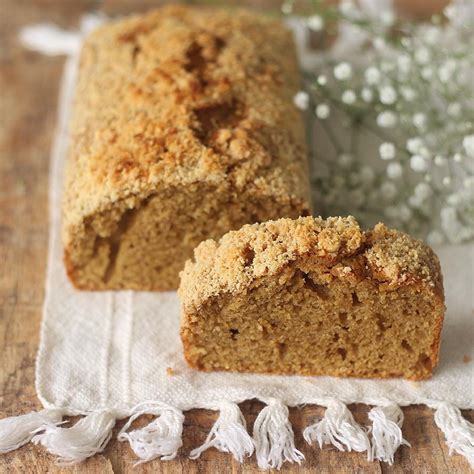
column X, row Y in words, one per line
column 391, row 104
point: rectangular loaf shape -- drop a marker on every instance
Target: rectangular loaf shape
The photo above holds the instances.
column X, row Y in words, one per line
column 313, row 297
column 183, row 128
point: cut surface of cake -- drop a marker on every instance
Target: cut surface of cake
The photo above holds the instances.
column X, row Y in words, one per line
column 183, row 128
column 313, row 297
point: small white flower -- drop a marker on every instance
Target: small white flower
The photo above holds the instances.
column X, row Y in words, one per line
column 345, row 160
column 386, row 119
column 348, row 97
column 451, row 11
column 431, row 35
column 388, row 190
column 435, row 237
column 343, row 71
column 322, row 111
column 379, row 43
column 446, row 70
column 387, row 18
column 347, row 8
column 440, row 160
column 469, row 182
column 444, row 74
column 404, row 63
column 287, row 8
column 418, row 163
column 315, row 23
column 394, row 170
column 387, row 151
column 372, row 75
column 427, row 73
column 468, row 144
column 419, row 120
column 454, row 199
column 423, row 191
column 422, row 55
column 322, row 80
column 388, row 95
column 406, row 42
column 454, row 109
column 366, row 94
column 446, row 181
column 301, row 100
column 457, row 157
column 414, row 144
column 408, row 93
column 424, row 152
column 415, row 201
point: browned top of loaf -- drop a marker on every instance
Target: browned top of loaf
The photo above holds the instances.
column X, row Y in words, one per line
column 181, row 95
column 390, row 258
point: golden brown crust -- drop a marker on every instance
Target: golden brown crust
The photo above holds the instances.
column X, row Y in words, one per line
column 180, row 96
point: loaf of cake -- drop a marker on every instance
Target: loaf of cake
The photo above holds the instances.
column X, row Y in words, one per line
column 313, row 297
column 183, row 128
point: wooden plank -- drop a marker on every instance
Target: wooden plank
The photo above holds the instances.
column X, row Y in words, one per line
column 29, row 85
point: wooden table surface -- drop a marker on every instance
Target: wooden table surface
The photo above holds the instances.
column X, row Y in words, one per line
column 28, row 91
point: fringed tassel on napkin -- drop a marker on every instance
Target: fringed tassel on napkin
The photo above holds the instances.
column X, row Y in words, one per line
column 459, row 432
column 160, row 438
column 338, row 428
column 229, row 434
column 386, row 432
column 19, row 430
column 87, row 437
column 273, row 437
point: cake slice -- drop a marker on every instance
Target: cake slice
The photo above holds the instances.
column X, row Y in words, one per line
column 313, row 297
column 183, row 128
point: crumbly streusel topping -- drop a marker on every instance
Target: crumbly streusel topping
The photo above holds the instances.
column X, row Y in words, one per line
column 239, row 258
column 396, row 257
column 181, row 95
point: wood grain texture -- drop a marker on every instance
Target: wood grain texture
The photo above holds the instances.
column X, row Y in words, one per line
column 29, row 86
